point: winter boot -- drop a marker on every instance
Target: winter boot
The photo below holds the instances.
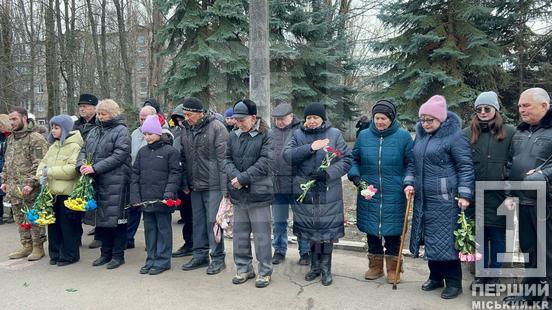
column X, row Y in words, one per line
column 326, row 263
column 391, row 266
column 375, row 267
column 24, row 251
column 37, row 253
column 314, row 262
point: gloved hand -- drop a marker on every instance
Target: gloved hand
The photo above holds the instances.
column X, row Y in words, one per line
column 356, row 181
column 319, row 175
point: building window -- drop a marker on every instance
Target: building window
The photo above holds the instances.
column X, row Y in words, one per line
column 39, row 88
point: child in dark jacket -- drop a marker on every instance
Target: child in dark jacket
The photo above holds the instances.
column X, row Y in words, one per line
column 155, row 181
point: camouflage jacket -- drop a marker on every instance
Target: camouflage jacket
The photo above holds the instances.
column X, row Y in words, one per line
column 25, row 148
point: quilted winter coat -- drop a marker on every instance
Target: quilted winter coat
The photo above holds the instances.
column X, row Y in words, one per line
column 320, row 216
column 381, row 159
column 441, row 171
column 109, row 146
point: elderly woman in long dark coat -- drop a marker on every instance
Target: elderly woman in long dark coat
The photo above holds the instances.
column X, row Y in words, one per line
column 319, row 217
column 108, row 146
column 442, row 171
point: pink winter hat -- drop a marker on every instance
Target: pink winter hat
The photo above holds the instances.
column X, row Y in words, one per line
column 436, row 106
column 151, row 125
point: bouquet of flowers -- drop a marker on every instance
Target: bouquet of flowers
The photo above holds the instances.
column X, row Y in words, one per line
column 82, row 196
column 331, row 153
column 42, row 212
column 465, row 239
column 367, row 191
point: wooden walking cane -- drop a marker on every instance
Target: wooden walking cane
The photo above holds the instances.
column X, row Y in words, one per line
column 404, row 230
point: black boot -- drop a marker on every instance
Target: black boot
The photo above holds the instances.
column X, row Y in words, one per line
column 315, row 262
column 326, row 263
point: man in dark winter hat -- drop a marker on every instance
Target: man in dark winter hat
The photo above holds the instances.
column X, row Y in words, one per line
column 203, row 146
column 285, row 123
column 248, row 164
column 87, row 114
column 86, row 122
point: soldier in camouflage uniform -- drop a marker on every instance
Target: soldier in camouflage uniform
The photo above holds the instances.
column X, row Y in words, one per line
column 25, row 149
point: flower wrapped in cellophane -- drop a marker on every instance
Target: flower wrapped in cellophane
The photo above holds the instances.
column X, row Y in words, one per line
column 171, row 203
column 42, row 211
column 82, row 196
column 465, row 239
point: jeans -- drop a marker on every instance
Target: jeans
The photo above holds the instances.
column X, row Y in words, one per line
column 495, row 242
column 280, row 213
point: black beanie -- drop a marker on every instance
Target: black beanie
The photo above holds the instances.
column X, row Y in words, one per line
column 385, row 107
column 154, row 104
column 315, row 108
column 192, row 105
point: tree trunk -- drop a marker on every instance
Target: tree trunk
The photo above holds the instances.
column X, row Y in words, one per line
column 156, row 62
column 103, row 81
column 51, row 59
column 103, row 46
column 124, row 53
column 7, row 83
column 259, row 59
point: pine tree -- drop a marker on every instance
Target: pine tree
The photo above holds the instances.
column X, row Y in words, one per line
column 440, row 49
column 210, row 57
column 309, row 56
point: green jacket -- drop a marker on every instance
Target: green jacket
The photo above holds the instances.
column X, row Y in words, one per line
column 61, row 161
column 490, row 157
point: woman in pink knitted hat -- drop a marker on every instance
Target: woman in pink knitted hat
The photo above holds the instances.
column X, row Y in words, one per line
column 441, row 178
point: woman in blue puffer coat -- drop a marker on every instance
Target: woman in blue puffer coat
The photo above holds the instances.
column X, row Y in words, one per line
column 319, row 217
column 381, row 156
column 443, row 177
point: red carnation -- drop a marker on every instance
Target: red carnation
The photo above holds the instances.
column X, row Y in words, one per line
column 177, row 202
column 26, row 226
column 329, row 149
column 169, row 202
column 338, row 153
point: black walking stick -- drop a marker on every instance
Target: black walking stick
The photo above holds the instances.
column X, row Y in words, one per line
column 404, row 230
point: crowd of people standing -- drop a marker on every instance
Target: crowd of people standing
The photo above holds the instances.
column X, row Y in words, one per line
column 205, row 158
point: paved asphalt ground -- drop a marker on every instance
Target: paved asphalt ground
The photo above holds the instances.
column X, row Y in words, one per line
column 37, row 285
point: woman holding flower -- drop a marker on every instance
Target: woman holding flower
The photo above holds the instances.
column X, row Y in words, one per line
column 381, row 156
column 318, row 215
column 57, row 171
column 441, row 178
column 108, row 148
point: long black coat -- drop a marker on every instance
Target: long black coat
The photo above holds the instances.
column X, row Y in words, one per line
column 155, row 175
column 249, row 157
column 442, row 170
column 109, row 146
column 490, row 159
column 320, row 216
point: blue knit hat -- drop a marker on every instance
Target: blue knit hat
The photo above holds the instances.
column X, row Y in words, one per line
column 229, row 112
column 66, row 124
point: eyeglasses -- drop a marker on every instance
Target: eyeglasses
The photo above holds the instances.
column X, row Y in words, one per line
column 428, row 121
column 483, row 110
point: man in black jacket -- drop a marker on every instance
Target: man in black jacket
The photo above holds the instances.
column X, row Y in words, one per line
column 285, row 123
column 248, row 164
column 203, row 145
column 531, row 146
column 86, row 122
